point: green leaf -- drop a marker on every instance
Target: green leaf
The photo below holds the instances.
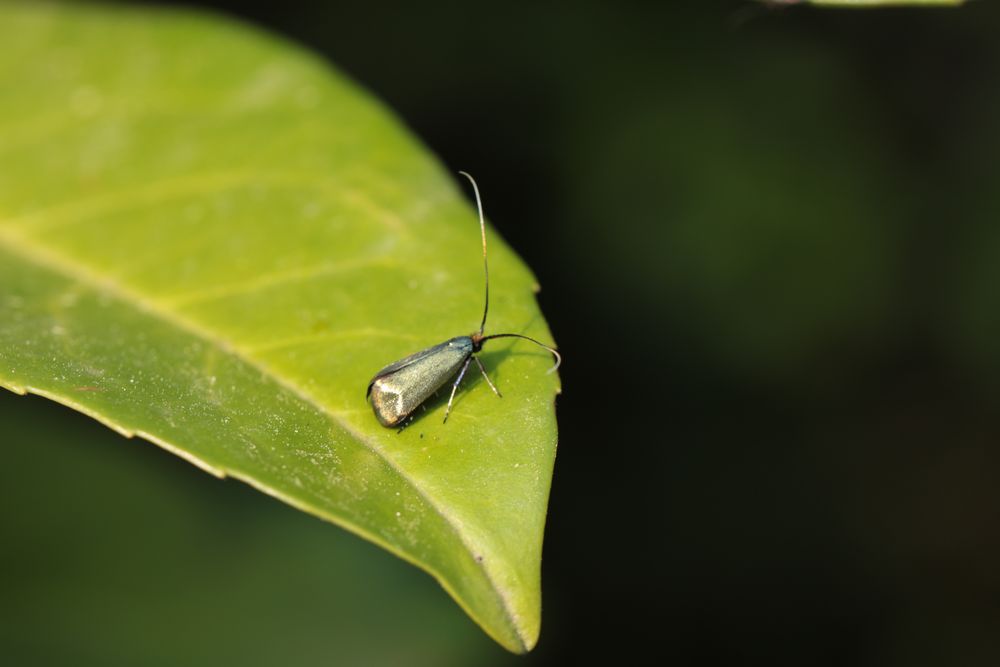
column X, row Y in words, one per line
column 210, row 239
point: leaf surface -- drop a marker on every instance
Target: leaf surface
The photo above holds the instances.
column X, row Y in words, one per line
column 212, row 240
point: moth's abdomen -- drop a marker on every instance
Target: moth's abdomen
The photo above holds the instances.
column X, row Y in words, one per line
column 388, row 401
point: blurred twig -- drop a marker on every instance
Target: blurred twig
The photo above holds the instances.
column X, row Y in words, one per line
column 868, row 3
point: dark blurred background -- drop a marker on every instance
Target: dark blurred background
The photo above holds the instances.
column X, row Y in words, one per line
column 769, row 246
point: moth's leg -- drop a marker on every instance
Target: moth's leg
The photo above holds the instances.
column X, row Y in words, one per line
column 406, row 422
column 490, row 383
column 454, row 387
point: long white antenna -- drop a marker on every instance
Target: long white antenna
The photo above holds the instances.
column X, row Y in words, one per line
column 486, row 268
column 554, row 351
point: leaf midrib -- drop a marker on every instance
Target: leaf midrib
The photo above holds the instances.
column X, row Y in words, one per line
column 66, row 266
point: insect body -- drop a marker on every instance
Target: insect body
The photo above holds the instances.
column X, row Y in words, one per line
column 401, row 387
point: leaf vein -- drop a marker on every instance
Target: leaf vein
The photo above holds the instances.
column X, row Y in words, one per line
column 190, row 298
column 203, row 183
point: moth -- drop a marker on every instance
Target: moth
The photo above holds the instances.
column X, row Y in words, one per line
column 402, row 386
